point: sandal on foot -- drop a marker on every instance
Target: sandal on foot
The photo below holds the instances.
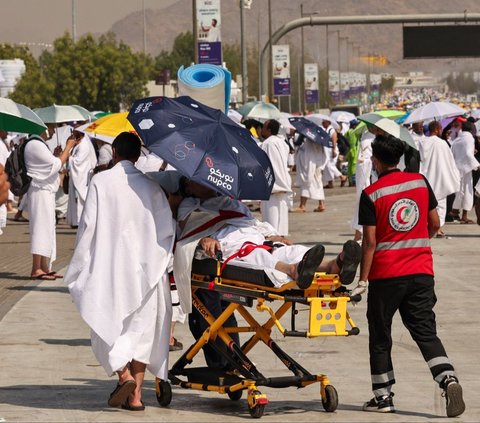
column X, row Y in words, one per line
column 43, row 277
column 176, row 346
column 352, row 254
column 308, row 265
column 466, row 221
column 55, row 274
column 120, row 394
column 298, row 210
column 126, row 406
column 319, row 209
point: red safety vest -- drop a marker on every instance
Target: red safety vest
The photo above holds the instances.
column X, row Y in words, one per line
column 403, row 244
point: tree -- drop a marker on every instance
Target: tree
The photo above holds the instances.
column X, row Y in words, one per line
column 182, row 53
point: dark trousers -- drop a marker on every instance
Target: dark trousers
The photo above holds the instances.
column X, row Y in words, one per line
column 414, row 297
column 198, row 325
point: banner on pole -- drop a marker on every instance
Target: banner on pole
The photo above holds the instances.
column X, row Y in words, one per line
column 334, row 84
column 281, row 69
column 209, row 42
column 311, row 83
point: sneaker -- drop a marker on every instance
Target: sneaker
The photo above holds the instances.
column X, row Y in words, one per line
column 452, row 391
column 383, row 404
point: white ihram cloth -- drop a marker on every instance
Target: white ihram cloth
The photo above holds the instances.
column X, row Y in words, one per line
column 81, row 163
column 463, row 149
column 275, row 210
column 331, row 172
column 438, row 166
column 59, row 138
column 117, row 275
column 4, row 153
column 105, row 154
column 43, row 167
column 148, row 162
column 362, row 173
column 310, row 161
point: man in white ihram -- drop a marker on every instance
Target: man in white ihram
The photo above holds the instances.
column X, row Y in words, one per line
column 118, row 274
column 275, row 209
column 81, row 163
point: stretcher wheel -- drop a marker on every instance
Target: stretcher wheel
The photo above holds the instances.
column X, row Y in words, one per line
column 236, row 395
column 163, row 391
column 257, row 411
column 330, row 402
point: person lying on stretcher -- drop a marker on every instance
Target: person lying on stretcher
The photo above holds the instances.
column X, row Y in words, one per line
column 227, row 226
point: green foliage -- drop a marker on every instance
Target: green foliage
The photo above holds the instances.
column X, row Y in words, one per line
column 97, row 74
column 182, row 54
column 387, row 84
column 462, row 83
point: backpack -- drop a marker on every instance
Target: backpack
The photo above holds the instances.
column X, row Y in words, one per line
column 17, row 171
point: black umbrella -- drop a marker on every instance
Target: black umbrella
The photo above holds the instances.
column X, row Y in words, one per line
column 205, row 145
column 311, row 131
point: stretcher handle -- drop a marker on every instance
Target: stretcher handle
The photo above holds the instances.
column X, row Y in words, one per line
column 356, row 298
column 296, row 299
column 297, row 333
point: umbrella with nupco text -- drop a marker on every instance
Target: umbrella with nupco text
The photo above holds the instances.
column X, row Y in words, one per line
column 205, row 145
column 311, row 130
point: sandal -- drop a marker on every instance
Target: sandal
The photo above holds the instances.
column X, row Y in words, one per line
column 298, row 210
column 126, row 406
column 121, row 392
column 319, row 209
column 43, row 277
column 55, row 275
column 308, row 265
column 466, row 221
column 176, row 346
column 352, row 254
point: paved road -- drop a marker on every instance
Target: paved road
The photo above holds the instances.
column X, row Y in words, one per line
column 50, row 374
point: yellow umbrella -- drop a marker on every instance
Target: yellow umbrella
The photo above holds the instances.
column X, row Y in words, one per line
column 108, row 127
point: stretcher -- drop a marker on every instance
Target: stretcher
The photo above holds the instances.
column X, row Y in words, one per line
column 325, row 301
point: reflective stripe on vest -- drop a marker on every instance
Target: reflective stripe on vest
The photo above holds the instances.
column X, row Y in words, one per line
column 395, row 189
column 410, row 243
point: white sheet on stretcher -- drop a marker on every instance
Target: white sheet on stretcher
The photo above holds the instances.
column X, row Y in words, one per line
column 278, row 278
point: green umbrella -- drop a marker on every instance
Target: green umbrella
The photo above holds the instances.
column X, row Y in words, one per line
column 372, row 118
column 15, row 117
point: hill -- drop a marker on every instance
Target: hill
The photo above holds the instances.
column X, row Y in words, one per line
column 164, row 24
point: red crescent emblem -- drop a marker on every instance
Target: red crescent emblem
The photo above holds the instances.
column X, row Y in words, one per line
column 399, row 215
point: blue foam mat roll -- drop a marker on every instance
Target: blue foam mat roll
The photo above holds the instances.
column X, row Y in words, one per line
column 208, row 84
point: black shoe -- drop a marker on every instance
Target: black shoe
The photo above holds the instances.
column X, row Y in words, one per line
column 352, row 254
column 452, row 391
column 383, row 404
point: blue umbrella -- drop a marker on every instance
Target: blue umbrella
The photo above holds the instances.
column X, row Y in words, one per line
column 311, row 131
column 205, row 145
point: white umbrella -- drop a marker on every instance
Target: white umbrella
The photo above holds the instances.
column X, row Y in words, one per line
column 234, row 115
column 434, row 110
column 342, row 116
column 285, row 122
column 393, row 128
column 264, row 111
column 89, row 115
column 61, row 114
column 318, row 118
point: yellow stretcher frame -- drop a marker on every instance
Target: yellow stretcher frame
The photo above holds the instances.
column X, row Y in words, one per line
column 328, row 316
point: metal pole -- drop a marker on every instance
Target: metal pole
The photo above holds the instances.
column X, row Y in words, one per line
column 74, row 20
column 299, row 89
column 328, row 70
column 195, row 31
column 339, row 68
column 301, row 72
column 270, row 66
column 144, row 28
column 243, row 47
column 356, row 20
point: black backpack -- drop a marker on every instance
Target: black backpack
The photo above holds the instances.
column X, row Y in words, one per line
column 17, row 170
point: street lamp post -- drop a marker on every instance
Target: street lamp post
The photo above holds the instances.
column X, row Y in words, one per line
column 301, row 70
column 74, row 20
column 244, row 53
column 144, row 29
